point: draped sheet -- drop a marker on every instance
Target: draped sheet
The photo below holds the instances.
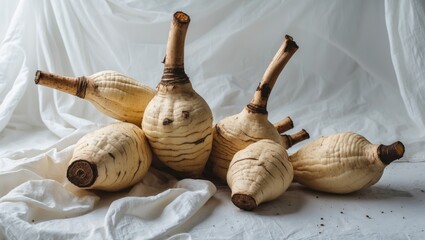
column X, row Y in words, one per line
column 360, row 68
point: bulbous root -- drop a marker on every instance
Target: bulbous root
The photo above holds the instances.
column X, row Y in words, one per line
column 244, row 201
column 284, row 125
column 82, row 173
column 389, row 153
column 291, row 140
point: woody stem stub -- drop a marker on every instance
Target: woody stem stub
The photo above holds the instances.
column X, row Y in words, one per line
column 76, row 86
column 82, row 173
column 174, row 59
column 390, row 153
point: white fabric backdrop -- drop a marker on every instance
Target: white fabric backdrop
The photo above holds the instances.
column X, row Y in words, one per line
column 360, row 67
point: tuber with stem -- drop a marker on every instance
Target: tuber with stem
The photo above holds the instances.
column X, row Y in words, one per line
column 343, row 162
column 259, row 173
column 111, row 158
column 236, row 132
column 112, row 93
column 177, row 121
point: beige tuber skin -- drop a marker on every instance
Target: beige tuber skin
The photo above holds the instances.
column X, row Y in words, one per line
column 111, row 158
column 177, row 121
column 236, row 132
column 112, row 93
column 343, row 163
column 259, row 173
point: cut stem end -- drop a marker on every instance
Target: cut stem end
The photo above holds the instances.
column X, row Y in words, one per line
column 82, row 173
column 37, row 76
column 284, row 125
column 291, row 140
column 181, row 17
column 291, row 45
column 389, row 153
column 244, row 201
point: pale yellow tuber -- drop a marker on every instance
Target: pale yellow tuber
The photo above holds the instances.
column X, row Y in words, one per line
column 259, row 173
column 236, row 132
column 111, row 158
column 177, row 121
column 112, row 93
column 343, row 162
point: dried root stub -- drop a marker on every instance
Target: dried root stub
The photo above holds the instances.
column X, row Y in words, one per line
column 111, row 158
column 112, row 93
column 236, row 132
column 259, row 173
column 343, row 162
column 177, row 121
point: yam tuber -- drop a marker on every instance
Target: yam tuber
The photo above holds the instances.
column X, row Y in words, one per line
column 236, row 132
column 112, row 93
column 261, row 172
column 111, row 158
column 177, row 121
column 343, row 162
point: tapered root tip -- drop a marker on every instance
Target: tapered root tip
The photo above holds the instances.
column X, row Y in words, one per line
column 244, row 202
column 389, row 153
column 82, row 173
column 181, row 17
column 37, row 76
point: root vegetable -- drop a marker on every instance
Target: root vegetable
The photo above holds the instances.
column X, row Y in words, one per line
column 343, row 163
column 111, row 158
column 259, row 173
column 236, row 132
column 112, row 93
column 177, row 121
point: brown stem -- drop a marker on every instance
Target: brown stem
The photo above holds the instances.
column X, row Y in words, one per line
column 291, row 140
column 284, row 125
column 82, row 173
column 176, row 39
column 388, row 153
column 261, row 95
column 174, row 58
column 76, row 86
column 244, row 201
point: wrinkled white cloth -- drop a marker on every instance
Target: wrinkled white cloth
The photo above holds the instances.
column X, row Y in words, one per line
column 46, row 209
column 360, row 67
